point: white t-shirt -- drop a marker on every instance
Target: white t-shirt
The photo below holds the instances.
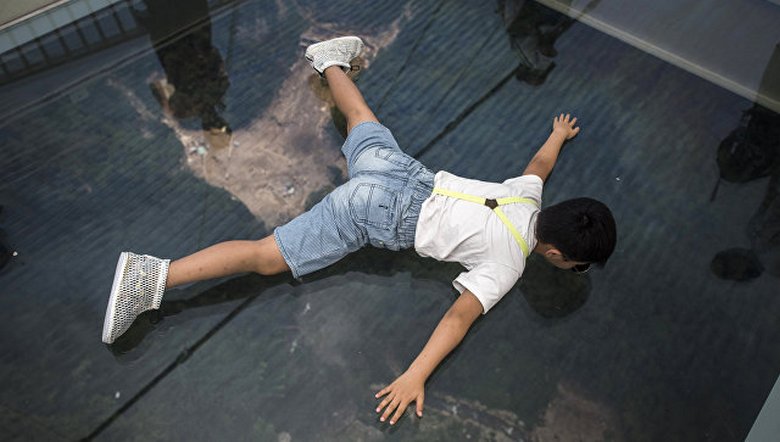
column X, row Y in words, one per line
column 451, row 229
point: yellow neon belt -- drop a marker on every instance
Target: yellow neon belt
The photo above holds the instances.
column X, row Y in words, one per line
column 494, row 205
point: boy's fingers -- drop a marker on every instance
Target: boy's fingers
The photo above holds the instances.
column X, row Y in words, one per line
column 567, row 117
column 574, row 121
column 388, row 410
column 383, row 404
column 399, row 412
column 420, row 399
column 382, row 392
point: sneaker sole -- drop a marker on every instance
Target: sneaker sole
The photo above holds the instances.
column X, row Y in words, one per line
column 111, row 308
column 315, row 45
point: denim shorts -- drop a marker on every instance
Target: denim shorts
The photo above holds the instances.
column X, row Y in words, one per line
column 378, row 205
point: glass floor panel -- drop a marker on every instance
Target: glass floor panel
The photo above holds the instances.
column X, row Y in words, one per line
column 206, row 124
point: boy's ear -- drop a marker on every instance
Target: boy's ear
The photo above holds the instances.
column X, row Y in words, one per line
column 553, row 253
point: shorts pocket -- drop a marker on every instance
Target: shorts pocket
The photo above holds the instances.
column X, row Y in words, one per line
column 373, row 205
column 394, row 156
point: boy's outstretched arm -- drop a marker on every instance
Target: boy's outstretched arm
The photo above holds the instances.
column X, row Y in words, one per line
column 410, row 386
column 543, row 162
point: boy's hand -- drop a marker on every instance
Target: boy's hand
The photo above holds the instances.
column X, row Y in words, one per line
column 406, row 389
column 564, row 125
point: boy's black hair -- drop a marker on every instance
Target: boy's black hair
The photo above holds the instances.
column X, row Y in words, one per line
column 583, row 229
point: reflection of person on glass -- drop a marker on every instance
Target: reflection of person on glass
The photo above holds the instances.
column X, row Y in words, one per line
column 533, row 29
column 195, row 73
column 749, row 152
column 392, row 201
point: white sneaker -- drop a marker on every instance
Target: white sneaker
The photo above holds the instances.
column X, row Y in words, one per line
column 139, row 283
column 336, row 52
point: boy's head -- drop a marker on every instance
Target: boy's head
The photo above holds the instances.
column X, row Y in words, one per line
column 576, row 232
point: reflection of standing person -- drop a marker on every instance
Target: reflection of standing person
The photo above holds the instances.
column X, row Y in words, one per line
column 533, row 29
column 749, row 152
column 392, row 201
column 196, row 80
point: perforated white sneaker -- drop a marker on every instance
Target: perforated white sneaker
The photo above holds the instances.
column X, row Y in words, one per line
column 139, row 283
column 336, row 52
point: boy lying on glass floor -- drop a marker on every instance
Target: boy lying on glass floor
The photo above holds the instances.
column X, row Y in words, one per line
column 394, row 202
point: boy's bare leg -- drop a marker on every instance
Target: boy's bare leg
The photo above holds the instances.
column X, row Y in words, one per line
column 263, row 256
column 348, row 98
column 228, row 258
